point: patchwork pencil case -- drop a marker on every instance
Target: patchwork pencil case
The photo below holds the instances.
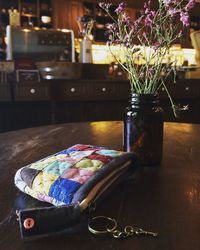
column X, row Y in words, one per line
column 70, row 180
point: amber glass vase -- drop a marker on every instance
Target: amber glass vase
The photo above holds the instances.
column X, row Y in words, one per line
column 143, row 129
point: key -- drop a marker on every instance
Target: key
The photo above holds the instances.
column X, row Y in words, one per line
column 140, row 231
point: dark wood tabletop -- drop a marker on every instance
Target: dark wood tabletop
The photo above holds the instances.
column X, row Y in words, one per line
column 163, row 199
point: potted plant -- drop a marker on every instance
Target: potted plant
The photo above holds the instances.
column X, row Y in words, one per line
column 145, row 45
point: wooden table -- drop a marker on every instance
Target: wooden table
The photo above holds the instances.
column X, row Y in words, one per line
column 165, row 199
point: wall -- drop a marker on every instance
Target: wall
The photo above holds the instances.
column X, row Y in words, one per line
column 65, row 14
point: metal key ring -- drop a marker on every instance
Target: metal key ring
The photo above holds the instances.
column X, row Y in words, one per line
column 104, row 219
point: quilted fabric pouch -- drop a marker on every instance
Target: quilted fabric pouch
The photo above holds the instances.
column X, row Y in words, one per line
column 70, row 180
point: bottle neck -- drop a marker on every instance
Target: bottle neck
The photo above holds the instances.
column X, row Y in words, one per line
column 144, row 101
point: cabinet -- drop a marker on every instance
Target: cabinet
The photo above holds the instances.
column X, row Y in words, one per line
column 32, row 12
column 93, row 100
column 24, row 105
column 5, row 92
column 87, row 90
column 58, row 101
column 88, row 100
column 31, row 91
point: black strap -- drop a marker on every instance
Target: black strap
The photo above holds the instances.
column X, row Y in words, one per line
column 45, row 221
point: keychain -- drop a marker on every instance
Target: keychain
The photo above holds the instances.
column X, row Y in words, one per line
column 110, row 226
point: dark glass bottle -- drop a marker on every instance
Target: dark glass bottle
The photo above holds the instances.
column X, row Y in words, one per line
column 143, row 129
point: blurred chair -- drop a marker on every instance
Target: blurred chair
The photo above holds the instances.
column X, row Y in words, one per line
column 195, row 38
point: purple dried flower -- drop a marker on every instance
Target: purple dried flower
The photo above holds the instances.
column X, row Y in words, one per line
column 146, row 11
column 184, row 18
column 120, row 8
column 180, row 33
column 126, row 19
column 167, row 2
column 150, row 71
column 190, row 5
column 112, row 27
column 147, row 4
column 126, row 41
column 156, row 45
column 105, row 6
column 141, row 75
column 148, row 20
column 172, row 11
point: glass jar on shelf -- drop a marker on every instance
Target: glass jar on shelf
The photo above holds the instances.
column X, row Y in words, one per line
column 85, row 24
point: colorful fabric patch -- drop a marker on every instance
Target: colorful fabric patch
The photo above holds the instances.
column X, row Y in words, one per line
column 78, row 175
column 78, row 155
column 79, row 147
column 107, row 152
column 91, row 165
column 28, row 175
column 31, row 192
column 103, row 158
column 63, row 190
column 65, row 158
column 19, row 182
column 43, row 197
column 57, row 168
column 43, row 182
column 40, row 165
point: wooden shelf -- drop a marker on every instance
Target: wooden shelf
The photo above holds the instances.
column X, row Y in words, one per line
column 27, row 9
column 28, row 15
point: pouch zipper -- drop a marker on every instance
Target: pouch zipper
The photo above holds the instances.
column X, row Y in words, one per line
column 94, row 194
